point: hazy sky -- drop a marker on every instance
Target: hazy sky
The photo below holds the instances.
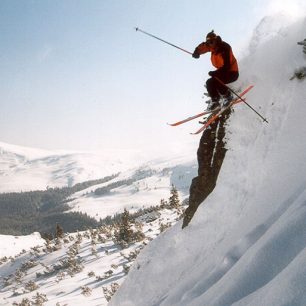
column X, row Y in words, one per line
column 76, row 75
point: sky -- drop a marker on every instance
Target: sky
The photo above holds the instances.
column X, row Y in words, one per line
column 76, row 75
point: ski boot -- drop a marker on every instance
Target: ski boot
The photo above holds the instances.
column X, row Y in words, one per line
column 213, row 104
column 227, row 99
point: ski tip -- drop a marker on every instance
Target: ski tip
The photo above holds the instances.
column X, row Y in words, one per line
column 136, row 28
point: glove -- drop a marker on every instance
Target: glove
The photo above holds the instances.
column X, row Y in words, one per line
column 195, row 55
column 212, row 73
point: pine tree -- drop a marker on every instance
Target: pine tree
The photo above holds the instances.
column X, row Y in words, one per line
column 163, row 203
column 125, row 231
column 59, row 232
column 174, row 200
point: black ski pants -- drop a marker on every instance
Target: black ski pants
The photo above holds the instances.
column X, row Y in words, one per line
column 215, row 88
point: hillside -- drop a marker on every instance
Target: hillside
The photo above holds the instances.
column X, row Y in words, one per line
column 27, row 169
column 137, row 188
column 13, row 245
column 246, row 244
column 137, row 183
column 83, row 268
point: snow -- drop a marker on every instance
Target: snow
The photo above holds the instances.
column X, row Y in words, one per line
column 142, row 193
column 146, row 191
column 246, row 244
column 55, row 282
column 276, row 24
column 13, row 245
column 26, row 169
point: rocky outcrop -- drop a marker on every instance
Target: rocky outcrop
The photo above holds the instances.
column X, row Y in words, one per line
column 303, row 43
column 211, row 153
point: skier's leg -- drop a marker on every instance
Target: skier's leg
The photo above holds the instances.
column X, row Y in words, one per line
column 226, row 78
column 212, row 89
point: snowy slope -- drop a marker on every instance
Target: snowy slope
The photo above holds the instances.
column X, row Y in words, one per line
column 142, row 192
column 81, row 269
column 13, row 245
column 246, row 245
column 24, row 169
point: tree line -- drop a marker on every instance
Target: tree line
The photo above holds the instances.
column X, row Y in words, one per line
column 41, row 211
column 26, row 212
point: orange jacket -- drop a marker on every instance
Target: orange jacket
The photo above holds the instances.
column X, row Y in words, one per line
column 222, row 56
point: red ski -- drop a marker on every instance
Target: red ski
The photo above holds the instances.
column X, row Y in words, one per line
column 214, row 117
column 201, row 114
column 194, row 117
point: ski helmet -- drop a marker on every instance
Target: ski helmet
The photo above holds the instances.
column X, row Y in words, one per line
column 211, row 35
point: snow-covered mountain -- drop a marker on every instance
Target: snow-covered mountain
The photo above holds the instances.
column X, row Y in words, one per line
column 139, row 181
column 134, row 190
column 246, row 245
column 25, row 169
column 83, row 268
column 31, row 272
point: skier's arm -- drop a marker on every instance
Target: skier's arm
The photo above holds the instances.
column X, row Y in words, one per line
column 200, row 49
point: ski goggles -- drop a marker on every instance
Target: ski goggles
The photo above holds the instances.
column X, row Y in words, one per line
column 210, row 41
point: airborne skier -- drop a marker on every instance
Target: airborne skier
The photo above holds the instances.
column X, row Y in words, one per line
column 223, row 59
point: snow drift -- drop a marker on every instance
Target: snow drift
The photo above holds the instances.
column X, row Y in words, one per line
column 246, row 244
column 13, row 245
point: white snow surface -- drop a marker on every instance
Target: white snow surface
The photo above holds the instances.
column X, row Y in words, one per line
column 246, row 245
column 27, row 169
column 102, row 265
column 24, row 169
column 143, row 192
column 13, row 245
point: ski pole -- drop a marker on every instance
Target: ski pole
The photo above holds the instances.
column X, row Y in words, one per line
column 254, row 110
column 164, row 41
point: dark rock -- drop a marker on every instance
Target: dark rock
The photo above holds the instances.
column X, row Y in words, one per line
column 211, row 153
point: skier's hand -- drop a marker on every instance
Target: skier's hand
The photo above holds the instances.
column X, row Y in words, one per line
column 212, row 73
column 195, row 54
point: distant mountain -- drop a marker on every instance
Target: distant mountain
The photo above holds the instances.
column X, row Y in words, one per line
column 137, row 188
column 25, row 169
column 97, row 185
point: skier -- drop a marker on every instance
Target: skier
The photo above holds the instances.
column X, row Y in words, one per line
column 227, row 71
